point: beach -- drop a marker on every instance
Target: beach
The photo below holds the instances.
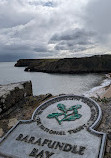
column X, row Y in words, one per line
column 102, row 91
column 107, row 92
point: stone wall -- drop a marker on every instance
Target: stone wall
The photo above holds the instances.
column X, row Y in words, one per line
column 11, row 94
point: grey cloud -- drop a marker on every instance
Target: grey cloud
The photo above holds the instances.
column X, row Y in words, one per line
column 97, row 17
column 72, row 34
column 11, row 14
column 46, row 28
column 74, row 48
column 15, row 52
column 41, row 49
column 73, row 40
column 70, row 48
column 42, row 3
column 49, row 4
column 14, row 57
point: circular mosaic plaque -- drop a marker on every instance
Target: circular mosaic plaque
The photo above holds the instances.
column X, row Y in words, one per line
column 68, row 112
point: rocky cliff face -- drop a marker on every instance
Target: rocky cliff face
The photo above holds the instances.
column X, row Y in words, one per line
column 24, row 62
column 97, row 63
column 12, row 93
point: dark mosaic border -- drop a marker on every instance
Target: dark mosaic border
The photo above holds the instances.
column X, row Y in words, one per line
column 92, row 105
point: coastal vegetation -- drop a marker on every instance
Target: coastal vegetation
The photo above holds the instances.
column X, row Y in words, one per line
column 93, row 64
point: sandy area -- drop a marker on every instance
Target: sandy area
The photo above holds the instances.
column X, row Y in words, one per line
column 107, row 93
column 104, row 91
column 101, row 91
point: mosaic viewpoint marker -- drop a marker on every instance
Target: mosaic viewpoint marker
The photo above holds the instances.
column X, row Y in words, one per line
column 62, row 127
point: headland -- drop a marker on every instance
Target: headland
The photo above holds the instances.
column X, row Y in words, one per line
column 93, row 64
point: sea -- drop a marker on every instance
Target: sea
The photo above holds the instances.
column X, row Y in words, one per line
column 43, row 83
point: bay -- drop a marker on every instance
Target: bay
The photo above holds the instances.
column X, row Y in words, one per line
column 44, row 83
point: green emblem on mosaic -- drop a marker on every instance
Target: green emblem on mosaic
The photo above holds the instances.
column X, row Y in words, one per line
column 70, row 114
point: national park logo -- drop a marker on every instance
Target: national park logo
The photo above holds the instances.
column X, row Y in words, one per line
column 69, row 114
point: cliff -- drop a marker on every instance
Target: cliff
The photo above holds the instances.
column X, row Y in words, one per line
column 93, row 64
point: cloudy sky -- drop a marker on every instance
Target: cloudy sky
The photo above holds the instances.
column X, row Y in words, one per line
column 54, row 28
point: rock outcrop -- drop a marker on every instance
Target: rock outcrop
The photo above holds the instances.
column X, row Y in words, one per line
column 22, row 110
column 11, row 94
column 93, row 64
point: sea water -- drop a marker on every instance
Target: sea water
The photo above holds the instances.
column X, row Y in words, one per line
column 55, row 84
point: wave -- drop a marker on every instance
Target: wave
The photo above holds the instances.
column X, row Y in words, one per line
column 99, row 90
